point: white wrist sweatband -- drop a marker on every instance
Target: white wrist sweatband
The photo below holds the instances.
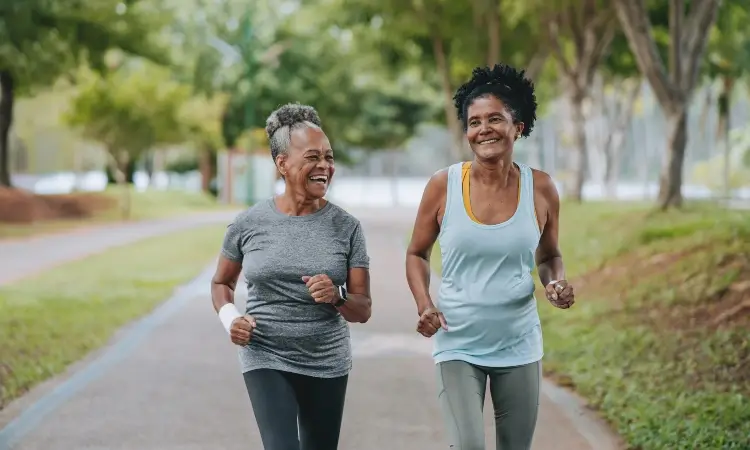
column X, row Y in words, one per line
column 227, row 314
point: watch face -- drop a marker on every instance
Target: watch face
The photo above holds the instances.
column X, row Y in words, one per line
column 342, row 295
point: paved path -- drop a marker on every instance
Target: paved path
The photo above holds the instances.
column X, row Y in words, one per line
column 20, row 258
column 172, row 381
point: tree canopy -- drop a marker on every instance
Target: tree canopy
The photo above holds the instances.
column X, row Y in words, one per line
column 375, row 70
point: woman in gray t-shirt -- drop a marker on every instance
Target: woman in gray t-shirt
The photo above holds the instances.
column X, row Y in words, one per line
column 307, row 272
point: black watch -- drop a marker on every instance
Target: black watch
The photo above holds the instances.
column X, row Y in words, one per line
column 342, row 297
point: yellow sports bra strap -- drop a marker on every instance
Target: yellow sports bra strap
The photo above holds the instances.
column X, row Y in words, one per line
column 465, row 189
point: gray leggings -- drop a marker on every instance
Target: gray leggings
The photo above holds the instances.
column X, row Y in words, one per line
column 515, row 399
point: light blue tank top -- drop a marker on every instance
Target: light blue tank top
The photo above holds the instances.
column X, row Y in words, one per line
column 487, row 290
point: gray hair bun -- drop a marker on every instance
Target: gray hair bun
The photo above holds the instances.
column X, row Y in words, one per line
column 289, row 115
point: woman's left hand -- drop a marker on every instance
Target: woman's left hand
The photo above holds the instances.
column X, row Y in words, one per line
column 321, row 288
column 560, row 294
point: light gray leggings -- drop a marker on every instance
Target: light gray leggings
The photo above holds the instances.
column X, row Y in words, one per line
column 515, row 399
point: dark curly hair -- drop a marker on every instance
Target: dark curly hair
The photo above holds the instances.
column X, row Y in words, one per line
column 507, row 84
column 284, row 120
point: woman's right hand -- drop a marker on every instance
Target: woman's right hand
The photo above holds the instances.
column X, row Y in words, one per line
column 242, row 329
column 430, row 321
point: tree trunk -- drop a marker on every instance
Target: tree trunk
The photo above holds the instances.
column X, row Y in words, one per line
column 598, row 125
column 121, row 163
column 616, row 139
column 722, row 132
column 6, row 120
column 148, row 165
column 579, row 142
column 536, row 64
column 703, row 121
column 670, row 180
column 672, row 88
column 451, row 120
column 205, row 165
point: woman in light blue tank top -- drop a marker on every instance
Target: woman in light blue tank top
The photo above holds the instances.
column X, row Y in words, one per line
column 495, row 220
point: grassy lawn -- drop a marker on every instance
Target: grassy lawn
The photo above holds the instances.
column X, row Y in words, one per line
column 158, row 204
column 152, row 204
column 659, row 339
column 56, row 318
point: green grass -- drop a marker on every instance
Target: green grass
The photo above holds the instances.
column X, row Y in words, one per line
column 150, row 204
column 154, row 204
column 57, row 317
column 648, row 343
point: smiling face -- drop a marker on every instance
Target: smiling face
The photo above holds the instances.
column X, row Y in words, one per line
column 490, row 128
column 308, row 164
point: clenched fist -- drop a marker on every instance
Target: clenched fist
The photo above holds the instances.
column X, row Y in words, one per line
column 560, row 294
column 430, row 321
column 242, row 329
column 321, row 288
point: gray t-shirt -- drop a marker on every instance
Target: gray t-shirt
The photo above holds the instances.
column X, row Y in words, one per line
column 294, row 333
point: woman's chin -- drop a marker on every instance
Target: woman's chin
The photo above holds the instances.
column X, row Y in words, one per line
column 317, row 190
column 491, row 154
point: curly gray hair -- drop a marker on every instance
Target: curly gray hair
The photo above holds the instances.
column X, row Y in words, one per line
column 284, row 120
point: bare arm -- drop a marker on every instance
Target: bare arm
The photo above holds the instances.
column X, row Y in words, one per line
column 224, row 282
column 358, row 306
column 424, row 235
column 548, row 256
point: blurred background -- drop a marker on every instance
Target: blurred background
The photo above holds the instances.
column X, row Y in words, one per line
column 174, row 95
column 139, row 110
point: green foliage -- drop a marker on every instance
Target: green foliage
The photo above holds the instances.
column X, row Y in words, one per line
column 405, row 34
column 646, row 354
column 728, row 52
column 130, row 112
column 183, row 165
column 200, row 121
column 257, row 58
column 620, row 62
column 42, row 39
column 360, row 105
column 387, row 120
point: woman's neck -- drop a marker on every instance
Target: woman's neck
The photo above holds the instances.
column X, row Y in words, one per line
column 294, row 204
column 497, row 173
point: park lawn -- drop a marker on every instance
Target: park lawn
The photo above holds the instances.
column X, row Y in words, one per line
column 156, row 204
column 150, row 204
column 659, row 338
column 53, row 319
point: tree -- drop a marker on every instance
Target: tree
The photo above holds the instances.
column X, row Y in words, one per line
column 41, row 40
column 439, row 40
column 728, row 60
column 622, row 83
column 201, row 118
column 312, row 62
column 129, row 112
column 207, row 59
column 587, row 26
column 673, row 86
